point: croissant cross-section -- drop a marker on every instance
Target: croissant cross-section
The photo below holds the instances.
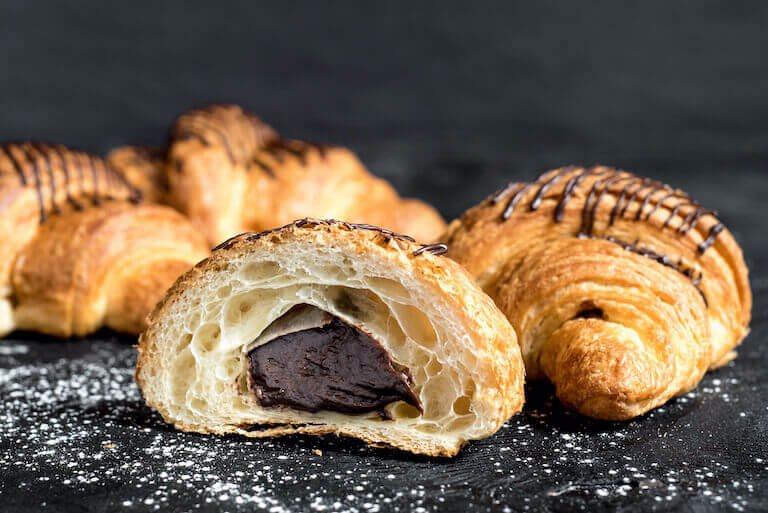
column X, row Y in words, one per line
column 332, row 327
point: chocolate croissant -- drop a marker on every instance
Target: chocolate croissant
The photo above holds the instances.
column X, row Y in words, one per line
column 330, row 327
column 229, row 172
column 79, row 252
column 623, row 290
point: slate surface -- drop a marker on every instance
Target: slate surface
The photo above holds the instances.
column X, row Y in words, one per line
column 449, row 103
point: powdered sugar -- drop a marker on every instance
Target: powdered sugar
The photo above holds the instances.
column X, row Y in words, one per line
column 74, row 429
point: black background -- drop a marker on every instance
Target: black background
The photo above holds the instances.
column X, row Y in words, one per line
column 449, row 101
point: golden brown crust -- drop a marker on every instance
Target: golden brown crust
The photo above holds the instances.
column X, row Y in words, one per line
column 226, row 128
column 37, row 180
column 82, row 254
column 296, row 179
column 498, row 360
column 630, row 248
column 229, row 172
column 446, row 450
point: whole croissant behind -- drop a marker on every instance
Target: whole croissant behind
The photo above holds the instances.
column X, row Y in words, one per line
column 229, row 172
column 623, row 291
column 79, row 251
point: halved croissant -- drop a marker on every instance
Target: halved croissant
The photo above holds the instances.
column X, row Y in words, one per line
column 229, row 172
column 623, row 291
column 79, row 252
column 330, row 327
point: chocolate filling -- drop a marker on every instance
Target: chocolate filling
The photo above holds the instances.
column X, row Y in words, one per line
column 334, row 367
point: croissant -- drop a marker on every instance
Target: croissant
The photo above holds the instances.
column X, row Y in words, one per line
column 229, row 172
column 331, row 327
column 79, row 252
column 623, row 291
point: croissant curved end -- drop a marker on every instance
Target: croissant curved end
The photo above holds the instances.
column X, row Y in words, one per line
column 602, row 369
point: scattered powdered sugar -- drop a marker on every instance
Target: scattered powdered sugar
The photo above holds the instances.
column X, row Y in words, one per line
column 12, row 349
column 74, row 429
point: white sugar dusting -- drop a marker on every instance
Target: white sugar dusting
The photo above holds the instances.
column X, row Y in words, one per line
column 12, row 349
column 78, row 427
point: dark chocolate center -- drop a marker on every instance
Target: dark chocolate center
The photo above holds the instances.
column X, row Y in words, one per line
column 336, row 367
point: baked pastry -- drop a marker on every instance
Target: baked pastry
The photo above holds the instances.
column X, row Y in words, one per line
column 330, row 327
column 623, row 291
column 79, row 252
column 229, row 172
column 144, row 169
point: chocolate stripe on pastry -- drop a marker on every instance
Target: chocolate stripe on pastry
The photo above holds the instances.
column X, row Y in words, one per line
column 689, row 272
column 229, row 172
column 240, row 132
column 629, row 195
column 143, row 168
column 31, row 161
column 54, row 169
column 60, row 153
column 279, row 148
column 435, row 249
column 7, row 150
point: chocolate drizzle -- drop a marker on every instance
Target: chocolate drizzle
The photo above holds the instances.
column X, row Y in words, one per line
column 38, row 182
column 95, row 174
column 245, row 138
column 656, row 196
column 710, row 240
column 5, row 148
column 238, row 131
column 60, row 154
column 142, row 154
column 46, row 167
column 279, row 149
column 687, row 271
column 52, row 182
column 435, row 249
column 649, row 196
